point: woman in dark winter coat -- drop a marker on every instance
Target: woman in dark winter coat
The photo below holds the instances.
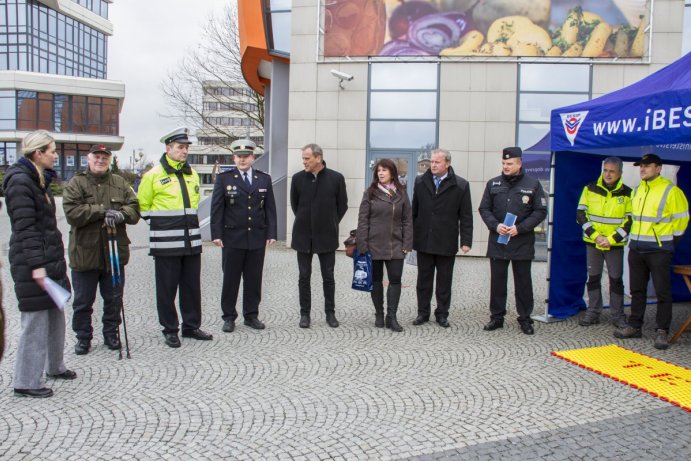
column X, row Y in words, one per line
column 36, row 252
column 385, row 229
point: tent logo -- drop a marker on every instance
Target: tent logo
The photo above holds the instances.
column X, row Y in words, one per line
column 572, row 122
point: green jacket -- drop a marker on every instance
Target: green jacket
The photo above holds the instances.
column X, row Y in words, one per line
column 85, row 201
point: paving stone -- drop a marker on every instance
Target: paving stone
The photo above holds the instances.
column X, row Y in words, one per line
column 355, row 392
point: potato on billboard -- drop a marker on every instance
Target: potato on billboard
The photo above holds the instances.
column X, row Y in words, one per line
column 604, row 29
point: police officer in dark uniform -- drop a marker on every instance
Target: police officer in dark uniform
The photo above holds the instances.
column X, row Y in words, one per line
column 243, row 223
column 512, row 192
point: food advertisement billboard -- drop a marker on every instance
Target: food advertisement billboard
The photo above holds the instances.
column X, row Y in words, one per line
column 598, row 29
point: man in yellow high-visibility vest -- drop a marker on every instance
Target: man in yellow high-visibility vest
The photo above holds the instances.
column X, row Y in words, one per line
column 168, row 199
column 660, row 217
column 604, row 214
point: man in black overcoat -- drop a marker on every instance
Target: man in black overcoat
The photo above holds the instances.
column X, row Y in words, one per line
column 442, row 212
column 319, row 201
column 243, row 223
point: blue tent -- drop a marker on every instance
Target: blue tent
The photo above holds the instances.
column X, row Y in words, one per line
column 652, row 115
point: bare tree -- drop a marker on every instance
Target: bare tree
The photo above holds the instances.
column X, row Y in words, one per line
column 192, row 91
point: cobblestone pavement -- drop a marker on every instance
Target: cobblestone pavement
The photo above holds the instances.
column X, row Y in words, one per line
column 355, row 392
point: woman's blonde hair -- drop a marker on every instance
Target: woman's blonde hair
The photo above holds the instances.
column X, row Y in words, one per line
column 36, row 140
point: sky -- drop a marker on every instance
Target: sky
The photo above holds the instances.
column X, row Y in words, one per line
column 150, row 38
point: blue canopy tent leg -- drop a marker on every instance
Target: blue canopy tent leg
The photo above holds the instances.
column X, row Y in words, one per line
column 546, row 317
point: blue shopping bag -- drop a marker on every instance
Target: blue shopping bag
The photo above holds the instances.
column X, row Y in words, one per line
column 362, row 271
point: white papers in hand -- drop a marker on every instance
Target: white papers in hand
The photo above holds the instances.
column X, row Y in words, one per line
column 58, row 294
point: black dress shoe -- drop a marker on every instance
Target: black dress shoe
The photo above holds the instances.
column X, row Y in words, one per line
column 198, row 334
column 36, row 393
column 527, row 328
column 419, row 320
column 331, row 320
column 443, row 323
column 112, row 342
column 255, row 323
column 82, row 347
column 304, row 321
column 493, row 325
column 67, row 374
column 228, row 326
column 172, row 340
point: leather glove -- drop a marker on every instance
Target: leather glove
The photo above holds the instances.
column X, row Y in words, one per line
column 114, row 217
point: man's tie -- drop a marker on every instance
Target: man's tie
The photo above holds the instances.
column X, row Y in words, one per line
column 247, row 180
column 437, row 181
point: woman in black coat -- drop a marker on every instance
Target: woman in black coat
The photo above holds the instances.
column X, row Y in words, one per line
column 385, row 229
column 36, row 253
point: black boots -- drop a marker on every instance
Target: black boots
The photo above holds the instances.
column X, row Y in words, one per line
column 378, row 301
column 393, row 295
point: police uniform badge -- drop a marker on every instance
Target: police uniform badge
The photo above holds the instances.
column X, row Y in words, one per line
column 165, row 181
column 525, row 199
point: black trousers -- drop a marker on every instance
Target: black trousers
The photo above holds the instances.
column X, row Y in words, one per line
column 173, row 272
column 394, row 270
column 248, row 265
column 84, row 284
column 426, row 265
column 641, row 267
column 327, row 261
column 523, row 286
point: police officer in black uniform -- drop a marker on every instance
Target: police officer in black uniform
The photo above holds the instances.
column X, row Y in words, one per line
column 512, row 192
column 243, row 223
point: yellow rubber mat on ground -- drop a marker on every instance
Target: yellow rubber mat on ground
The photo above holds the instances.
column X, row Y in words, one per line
column 667, row 381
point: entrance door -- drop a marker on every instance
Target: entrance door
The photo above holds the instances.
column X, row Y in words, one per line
column 407, row 163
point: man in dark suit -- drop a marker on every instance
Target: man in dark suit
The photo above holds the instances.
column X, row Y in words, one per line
column 442, row 212
column 319, row 201
column 243, row 223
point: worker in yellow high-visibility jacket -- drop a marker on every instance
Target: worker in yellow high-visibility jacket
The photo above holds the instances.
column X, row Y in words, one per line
column 660, row 217
column 604, row 214
column 168, row 199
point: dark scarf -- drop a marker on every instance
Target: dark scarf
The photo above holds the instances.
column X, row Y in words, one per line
column 48, row 174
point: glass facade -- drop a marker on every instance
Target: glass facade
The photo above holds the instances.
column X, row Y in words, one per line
column 210, row 159
column 71, row 157
column 36, row 38
column 62, row 113
column 100, row 7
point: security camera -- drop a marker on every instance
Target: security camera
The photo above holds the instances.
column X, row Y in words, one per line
column 341, row 76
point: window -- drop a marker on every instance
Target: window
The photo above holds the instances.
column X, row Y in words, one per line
column 8, row 110
column 543, row 87
column 278, row 23
column 65, row 114
column 8, row 153
column 402, row 116
column 403, row 105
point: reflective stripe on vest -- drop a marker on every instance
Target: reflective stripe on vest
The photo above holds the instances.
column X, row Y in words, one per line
column 169, row 213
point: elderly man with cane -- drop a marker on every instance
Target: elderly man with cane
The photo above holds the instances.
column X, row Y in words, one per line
column 98, row 205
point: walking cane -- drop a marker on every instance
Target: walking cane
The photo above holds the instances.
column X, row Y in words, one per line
column 116, row 279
